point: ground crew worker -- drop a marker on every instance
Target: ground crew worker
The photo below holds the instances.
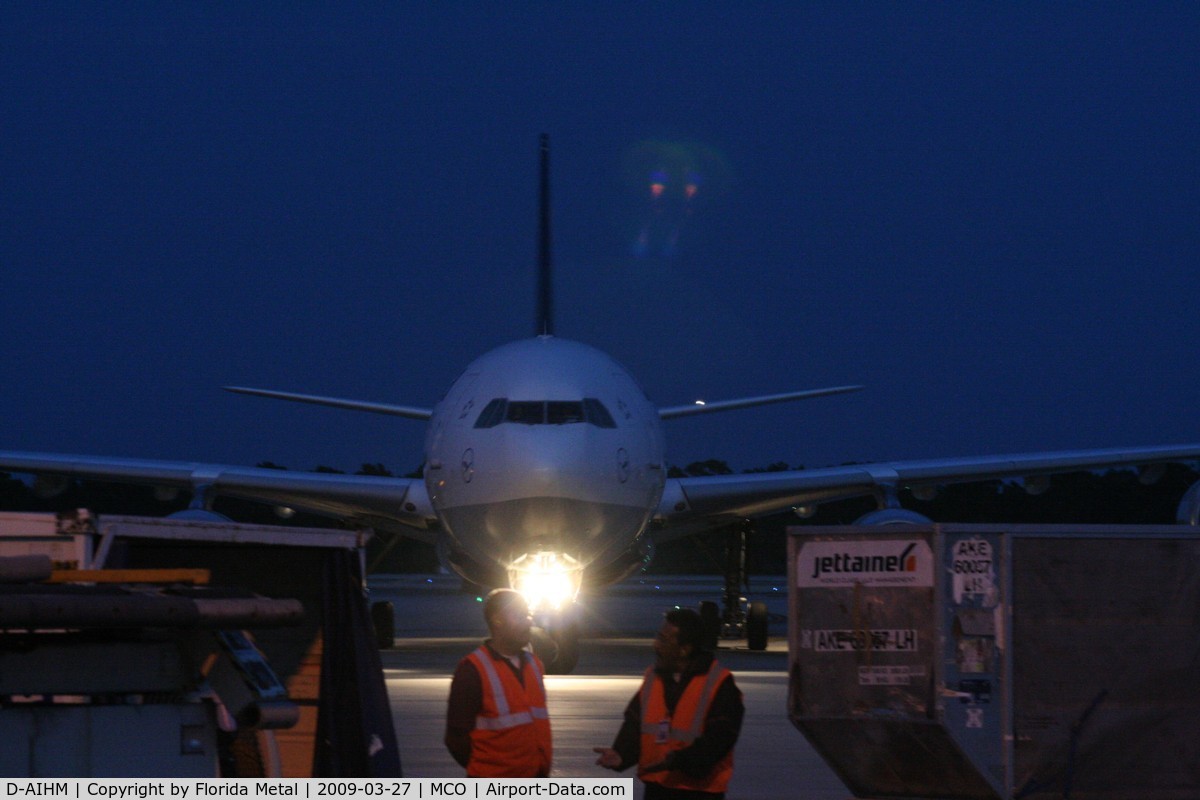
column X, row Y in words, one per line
column 496, row 720
column 681, row 726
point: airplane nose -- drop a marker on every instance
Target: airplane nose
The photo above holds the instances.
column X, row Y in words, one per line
column 555, row 523
column 551, row 465
column 501, row 532
column 561, row 489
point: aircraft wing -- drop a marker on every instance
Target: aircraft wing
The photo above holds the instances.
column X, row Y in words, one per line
column 412, row 412
column 689, row 500
column 370, row 499
column 746, row 402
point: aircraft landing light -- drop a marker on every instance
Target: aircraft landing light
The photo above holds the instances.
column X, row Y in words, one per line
column 549, row 581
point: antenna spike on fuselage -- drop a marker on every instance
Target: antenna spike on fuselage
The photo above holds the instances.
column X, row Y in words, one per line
column 545, row 320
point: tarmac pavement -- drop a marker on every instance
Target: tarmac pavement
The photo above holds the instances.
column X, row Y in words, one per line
column 437, row 624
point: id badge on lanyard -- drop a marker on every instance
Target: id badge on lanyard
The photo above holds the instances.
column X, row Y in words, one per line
column 663, row 733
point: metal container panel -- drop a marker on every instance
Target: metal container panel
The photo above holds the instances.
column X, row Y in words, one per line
column 993, row 661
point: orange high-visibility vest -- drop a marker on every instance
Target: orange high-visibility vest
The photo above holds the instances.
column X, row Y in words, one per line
column 511, row 738
column 664, row 732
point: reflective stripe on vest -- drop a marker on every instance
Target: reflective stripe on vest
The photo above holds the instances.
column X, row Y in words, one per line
column 504, row 718
column 650, row 727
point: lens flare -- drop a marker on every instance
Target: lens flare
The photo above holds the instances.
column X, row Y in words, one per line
column 679, row 176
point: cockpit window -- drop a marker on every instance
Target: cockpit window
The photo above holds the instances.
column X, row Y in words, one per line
column 597, row 414
column 550, row 412
column 559, row 412
column 526, row 413
column 492, row 414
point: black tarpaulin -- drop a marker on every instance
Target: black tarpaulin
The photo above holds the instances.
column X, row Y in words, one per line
column 355, row 737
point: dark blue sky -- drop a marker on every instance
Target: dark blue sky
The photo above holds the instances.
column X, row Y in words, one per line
column 987, row 214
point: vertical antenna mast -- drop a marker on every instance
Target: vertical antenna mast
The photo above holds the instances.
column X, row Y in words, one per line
column 545, row 320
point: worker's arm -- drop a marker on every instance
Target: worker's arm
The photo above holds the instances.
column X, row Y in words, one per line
column 466, row 699
column 627, row 747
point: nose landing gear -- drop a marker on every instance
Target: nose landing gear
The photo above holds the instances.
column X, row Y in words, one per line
column 556, row 642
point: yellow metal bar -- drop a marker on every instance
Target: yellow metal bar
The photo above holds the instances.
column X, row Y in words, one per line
column 196, row 576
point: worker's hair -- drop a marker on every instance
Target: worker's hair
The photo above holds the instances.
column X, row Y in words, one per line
column 690, row 627
column 497, row 602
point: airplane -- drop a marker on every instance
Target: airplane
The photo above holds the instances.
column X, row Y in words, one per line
column 545, row 470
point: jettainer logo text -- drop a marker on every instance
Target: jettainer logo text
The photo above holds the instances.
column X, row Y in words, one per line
column 888, row 562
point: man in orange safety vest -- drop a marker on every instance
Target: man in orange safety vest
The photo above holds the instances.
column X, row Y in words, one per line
column 682, row 724
column 496, row 720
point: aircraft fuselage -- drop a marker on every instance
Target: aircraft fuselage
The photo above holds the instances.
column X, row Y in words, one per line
column 543, row 446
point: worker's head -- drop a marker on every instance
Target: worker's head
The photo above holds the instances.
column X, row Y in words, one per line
column 680, row 637
column 508, row 619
